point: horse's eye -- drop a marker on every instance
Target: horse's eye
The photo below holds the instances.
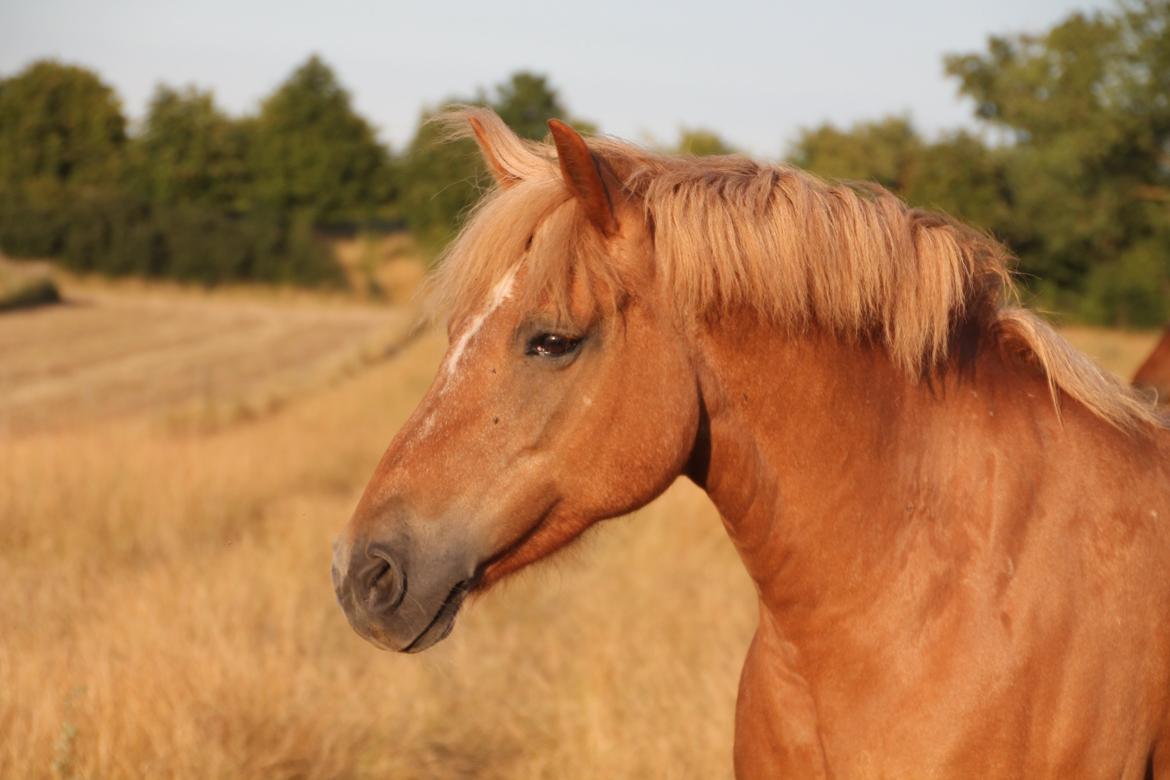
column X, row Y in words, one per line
column 552, row 345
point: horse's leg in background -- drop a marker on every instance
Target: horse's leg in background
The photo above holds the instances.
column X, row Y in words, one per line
column 1154, row 372
column 1159, row 768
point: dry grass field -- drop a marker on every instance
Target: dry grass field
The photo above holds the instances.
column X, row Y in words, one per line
column 115, row 352
column 165, row 604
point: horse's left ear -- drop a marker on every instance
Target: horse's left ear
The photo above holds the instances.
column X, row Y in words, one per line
column 502, row 175
column 585, row 176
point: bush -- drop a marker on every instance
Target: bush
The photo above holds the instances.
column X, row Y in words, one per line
column 118, row 235
column 32, row 224
column 1132, row 292
column 199, row 245
column 96, row 234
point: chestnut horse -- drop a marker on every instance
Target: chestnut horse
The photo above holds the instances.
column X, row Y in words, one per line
column 1154, row 374
column 958, row 526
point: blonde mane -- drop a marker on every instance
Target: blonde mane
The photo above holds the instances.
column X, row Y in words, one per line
column 731, row 232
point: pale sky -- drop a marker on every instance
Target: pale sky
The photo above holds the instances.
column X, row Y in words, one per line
column 754, row 72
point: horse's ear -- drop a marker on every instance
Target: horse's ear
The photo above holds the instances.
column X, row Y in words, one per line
column 585, row 176
column 502, row 175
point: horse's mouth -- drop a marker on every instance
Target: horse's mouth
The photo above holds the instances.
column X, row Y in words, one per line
column 444, row 619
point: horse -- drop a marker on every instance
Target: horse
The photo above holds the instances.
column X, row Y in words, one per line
column 1154, row 373
column 958, row 526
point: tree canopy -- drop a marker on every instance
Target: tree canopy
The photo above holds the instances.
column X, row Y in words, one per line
column 59, row 124
column 1086, row 107
column 702, row 143
column 311, row 152
column 439, row 180
column 956, row 174
column 188, row 151
column 1077, row 177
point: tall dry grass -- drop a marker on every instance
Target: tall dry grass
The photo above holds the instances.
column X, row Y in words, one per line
column 166, row 611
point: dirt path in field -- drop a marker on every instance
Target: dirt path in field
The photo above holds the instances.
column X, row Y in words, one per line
column 198, row 358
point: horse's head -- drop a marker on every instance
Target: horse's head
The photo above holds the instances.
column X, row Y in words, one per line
column 567, row 395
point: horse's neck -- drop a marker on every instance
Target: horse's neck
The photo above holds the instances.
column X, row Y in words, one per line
column 818, row 453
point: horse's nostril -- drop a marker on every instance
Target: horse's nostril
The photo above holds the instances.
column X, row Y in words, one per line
column 384, row 581
column 379, row 573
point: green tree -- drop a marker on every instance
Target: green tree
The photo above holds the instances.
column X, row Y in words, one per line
column 526, row 101
column 962, row 176
column 957, row 174
column 313, row 154
column 59, row 124
column 885, row 151
column 170, row 202
column 702, row 143
column 1085, row 106
column 189, row 151
column 62, row 136
column 439, row 180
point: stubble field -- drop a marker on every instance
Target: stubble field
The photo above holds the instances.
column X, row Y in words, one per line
column 172, row 470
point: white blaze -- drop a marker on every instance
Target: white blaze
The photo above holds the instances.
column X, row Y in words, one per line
column 500, row 293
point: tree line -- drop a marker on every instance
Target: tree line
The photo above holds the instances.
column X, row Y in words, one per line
column 1069, row 164
column 1077, row 178
column 192, row 193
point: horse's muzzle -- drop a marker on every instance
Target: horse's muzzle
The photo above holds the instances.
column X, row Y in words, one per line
column 398, row 596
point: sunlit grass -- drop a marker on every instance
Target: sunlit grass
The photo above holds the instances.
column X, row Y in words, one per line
column 168, row 613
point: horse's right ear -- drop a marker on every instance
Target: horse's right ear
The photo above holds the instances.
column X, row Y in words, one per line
column 502, row 175
column 584, row 176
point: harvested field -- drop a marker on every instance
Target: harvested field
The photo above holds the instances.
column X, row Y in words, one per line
column 168, row 613
column 109, row 354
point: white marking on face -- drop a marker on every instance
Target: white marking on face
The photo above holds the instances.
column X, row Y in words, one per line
column 425, row 428
column 447, row 375
column 500, row 293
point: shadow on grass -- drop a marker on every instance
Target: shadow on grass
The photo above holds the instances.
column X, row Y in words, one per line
column 27, row 292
